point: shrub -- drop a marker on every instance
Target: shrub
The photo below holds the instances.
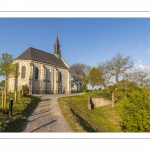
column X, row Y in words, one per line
column 25, row 90
column 136, row 111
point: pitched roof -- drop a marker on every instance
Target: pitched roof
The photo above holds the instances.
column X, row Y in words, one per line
column 41, row 56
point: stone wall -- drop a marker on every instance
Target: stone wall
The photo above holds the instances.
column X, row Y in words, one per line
column 98, row 102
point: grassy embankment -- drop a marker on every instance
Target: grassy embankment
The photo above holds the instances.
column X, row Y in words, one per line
column 21, row 111
column 81, row 119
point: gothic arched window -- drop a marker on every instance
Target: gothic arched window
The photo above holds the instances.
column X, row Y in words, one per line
column 36, row 73
column 59, row 76
column 23, row 72
column 48, row 74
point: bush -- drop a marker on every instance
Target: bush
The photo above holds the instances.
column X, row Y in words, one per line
column 136, row 111
column 25, row 90
column 120, row 94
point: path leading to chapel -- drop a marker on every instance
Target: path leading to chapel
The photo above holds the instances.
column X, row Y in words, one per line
column 47, row 116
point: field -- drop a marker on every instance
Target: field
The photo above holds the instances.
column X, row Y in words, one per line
column 81, row 119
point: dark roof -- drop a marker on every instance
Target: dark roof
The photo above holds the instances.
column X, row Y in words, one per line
column 41, row 56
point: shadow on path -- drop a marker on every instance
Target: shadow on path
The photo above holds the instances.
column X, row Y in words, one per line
column 43, row 105
column 39, row 117
column 40, row 112
column 43, row 126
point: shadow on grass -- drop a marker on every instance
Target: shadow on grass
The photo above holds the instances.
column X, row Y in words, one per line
column 45, row 100
column 15, row 122
column 87, row 127
column 15, row 125
column 31, row 106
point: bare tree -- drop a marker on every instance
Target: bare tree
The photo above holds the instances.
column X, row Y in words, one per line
column 138, row 76
column 114, row 72
column 79, row 72
column 106, row 76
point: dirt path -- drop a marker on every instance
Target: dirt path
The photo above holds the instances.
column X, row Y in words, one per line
column 47, row 116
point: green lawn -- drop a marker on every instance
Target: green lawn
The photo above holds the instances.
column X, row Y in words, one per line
column 21, row 111
column 81, row 119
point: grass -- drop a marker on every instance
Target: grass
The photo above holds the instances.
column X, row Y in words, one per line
column 20, row 113
column 81, row 119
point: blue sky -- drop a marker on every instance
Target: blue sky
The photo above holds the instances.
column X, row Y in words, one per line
column 84, row 40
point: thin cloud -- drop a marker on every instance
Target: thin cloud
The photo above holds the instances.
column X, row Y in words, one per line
column 148, row 50
column 141, row 66
column 141, row 45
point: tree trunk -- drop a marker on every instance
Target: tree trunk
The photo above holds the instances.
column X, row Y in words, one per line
column 2, row 98
column 5, row 94
column 15, row 94
column 77, row 88
column 113, row 99
column 19, row 95
column 80, row 87
column 15, row 90
column 92, row 88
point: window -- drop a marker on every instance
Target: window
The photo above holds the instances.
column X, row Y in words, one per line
column 23, row 72
column 36, row 73
column 59, row 76
column 48, row 74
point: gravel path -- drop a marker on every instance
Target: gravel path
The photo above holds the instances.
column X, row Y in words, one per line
column 47, row 116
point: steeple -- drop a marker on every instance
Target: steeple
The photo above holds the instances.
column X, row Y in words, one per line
column 57, row 48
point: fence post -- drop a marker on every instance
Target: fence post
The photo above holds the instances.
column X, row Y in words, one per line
column 10, row 106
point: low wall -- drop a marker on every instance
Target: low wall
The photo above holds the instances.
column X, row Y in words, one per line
column 98, row 102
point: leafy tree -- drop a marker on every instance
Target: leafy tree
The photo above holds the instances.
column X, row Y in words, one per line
column 79, row 74
column 135, row 110
column 95, row 77
column 84, row 88
column 2, row 83
column 7, row 70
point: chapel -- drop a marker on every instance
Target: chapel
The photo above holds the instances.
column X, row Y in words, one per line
column 42, row 72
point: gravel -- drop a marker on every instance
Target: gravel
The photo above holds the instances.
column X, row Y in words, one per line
column 47, row 116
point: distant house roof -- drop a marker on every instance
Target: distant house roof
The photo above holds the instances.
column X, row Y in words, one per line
column 41, row 56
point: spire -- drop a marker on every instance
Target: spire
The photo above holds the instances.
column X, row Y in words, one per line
column 57, row 41
column 57, row 47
